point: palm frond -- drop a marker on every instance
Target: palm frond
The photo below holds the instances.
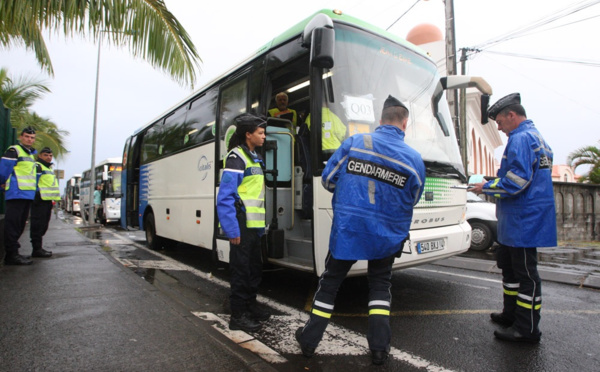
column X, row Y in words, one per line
column 149, row 29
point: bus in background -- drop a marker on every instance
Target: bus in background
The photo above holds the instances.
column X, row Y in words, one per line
column 71, row 196
column 328, row 63
column 108, row 176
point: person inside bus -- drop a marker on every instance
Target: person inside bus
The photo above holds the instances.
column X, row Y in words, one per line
column 41, row 208
column 283, row 111
column 376, row 180
column 241, row 212
column 18, row 177
column 333, row 132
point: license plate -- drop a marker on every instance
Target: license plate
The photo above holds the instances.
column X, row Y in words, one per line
column 430, row 246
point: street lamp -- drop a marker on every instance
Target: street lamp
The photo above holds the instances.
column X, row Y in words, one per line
column 91, row 218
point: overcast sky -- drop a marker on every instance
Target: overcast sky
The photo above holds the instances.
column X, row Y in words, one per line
column 561, row 98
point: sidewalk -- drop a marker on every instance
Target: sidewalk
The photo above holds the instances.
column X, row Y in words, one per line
column 79, row 310
column 579, row 275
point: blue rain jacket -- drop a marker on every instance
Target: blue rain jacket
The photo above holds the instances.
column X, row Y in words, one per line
column 376, row 180
column 525, row 206
column 7, row 166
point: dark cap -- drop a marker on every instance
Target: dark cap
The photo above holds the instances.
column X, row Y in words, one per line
column 249, row 122
column 46, row 150
column 392, row 101
column 28, row 130
column 502, row 103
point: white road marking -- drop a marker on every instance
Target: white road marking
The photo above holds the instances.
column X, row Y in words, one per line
column 454, row 274
column 279, row 330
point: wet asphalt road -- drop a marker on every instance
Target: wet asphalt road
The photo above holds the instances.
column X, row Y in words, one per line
column 440, row 315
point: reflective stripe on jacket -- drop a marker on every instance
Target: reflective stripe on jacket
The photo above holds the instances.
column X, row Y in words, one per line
column 24, row 171
column 48, row 184
column 376, row 180
column 525, row 206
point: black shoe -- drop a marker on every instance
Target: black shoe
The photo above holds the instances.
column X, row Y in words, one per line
column 307, row 351
column 244, row 323
column 258, row 313
column 501, row 319
column 17, row 259
column 41, row 253
column 379, row 357
column 512, row 335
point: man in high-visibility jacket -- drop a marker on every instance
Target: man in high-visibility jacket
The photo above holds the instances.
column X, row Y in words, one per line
column 376, row 180
column 283, row 111
column 18, row 177
column 241, row 211
column 41, row 208
column 333, row 130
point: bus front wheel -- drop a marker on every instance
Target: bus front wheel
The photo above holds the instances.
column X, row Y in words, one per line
column 152, row 240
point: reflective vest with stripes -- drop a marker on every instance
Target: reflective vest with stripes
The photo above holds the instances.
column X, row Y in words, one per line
column 252, row 190
column 24, row 170
column 48, row 184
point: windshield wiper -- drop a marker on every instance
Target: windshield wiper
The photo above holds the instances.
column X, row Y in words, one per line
column 444, row 170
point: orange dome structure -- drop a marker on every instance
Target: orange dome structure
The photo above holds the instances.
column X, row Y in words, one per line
column 424, row 33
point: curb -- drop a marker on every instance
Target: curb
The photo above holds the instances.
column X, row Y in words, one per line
column 565, row 276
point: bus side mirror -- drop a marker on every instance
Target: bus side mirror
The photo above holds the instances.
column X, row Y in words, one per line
column 485, row 102
column 104, row 176
column 322, row 46
column 72, row 182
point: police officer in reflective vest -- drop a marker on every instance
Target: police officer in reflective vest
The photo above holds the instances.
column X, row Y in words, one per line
column 18, row 176
column 241, row 212
column 376, row 180
column 41, row 208
column 526, row 219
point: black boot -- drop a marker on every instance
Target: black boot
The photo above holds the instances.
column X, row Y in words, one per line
column 41, row 253
column 244, row 323
column 258, row 313
column 16, row 259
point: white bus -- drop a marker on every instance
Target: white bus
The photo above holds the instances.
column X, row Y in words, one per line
column 172, row 166
column 71, row 196
column 108, row 175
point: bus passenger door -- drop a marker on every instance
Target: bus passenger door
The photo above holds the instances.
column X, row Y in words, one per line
column 130, row 182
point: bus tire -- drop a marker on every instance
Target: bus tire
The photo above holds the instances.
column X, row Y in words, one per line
column 153, row 241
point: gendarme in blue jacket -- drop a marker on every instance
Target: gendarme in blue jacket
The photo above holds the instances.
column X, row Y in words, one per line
column 376, row 180
column 525, row 206
column 7, row 164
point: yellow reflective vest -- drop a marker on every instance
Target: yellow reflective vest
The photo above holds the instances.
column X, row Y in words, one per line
column 24, row 171
column 48, row 184
column 252, row 191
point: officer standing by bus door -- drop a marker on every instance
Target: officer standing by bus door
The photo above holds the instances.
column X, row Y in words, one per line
column 241, row 212
column 41, row 208
column 376, row 180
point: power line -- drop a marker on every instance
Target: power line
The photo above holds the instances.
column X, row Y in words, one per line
column 403, row 14
column 549, row 59
column 571, row 9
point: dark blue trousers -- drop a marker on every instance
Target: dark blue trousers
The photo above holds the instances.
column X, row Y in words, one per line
column 379, row 333
column 15, row 218
column 245, row 265
column 522, row 288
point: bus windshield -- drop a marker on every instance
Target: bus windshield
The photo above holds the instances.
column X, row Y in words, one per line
column 367, row 69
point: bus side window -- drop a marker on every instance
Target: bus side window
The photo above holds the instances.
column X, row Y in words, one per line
column 201, row 119
column 234, row 98
column 150, row 145
column 174, row 130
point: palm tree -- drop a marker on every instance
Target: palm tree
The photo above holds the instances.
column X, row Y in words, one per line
column 588, row 155
column 147, row 26
column 18, row 95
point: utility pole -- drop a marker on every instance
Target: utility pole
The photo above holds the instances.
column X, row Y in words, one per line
column 452, row 95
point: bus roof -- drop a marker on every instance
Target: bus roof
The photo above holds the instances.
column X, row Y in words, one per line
column 294, row 31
